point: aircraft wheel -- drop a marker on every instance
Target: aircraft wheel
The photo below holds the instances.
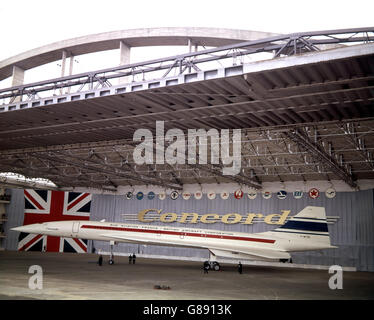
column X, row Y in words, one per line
column 216, row 267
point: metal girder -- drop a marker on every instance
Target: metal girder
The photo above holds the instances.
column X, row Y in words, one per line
column 110, row 170
column 239, row 178
column 266, row 154
column 316, row 151
column 357, row 140
column 287, row 44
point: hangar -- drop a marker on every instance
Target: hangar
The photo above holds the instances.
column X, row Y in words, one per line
column 302, row 102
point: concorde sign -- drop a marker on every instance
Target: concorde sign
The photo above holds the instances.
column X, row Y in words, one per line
column 157, row 215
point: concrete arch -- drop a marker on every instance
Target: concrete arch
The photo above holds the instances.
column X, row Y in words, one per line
column 123, row 39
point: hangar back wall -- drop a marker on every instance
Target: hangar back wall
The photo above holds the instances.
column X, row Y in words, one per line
column 352, row 233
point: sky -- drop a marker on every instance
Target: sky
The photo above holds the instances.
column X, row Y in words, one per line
column 26, row 24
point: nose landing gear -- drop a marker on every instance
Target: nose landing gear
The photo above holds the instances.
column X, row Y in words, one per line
column 212, row 265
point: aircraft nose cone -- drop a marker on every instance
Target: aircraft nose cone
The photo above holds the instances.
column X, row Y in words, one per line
column 20, row 229
column 29, row 228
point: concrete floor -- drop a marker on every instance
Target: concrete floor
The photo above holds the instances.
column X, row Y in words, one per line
column 77, row 276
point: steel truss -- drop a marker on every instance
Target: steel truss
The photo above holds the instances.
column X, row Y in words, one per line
column 333, row 151
column 290, row 44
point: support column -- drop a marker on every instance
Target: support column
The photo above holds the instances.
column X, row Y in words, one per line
column 18, row 76
column 124, row 58
column 71, row 65
column 63, row 62
column 70, row 70
column 64, row 57
column 63, row 65
column 191, row 45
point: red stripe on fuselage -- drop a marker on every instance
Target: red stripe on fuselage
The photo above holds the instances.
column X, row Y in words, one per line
column 178, row 233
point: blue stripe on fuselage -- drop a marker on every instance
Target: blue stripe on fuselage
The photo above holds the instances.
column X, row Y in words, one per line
column 297, row 232
column 305, row 225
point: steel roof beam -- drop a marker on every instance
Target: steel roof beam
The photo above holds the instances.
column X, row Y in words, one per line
column 357, row 140
column 263, row 45
column 147, row 179
column 240, row 179
column 316, row 151
column 115, row 172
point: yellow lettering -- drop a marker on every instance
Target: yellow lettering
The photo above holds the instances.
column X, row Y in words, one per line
column 226, row 217
column 283, row 217
column 230, row 218
column 251, row 216
column 204, row 218
column 164, row 217
column 142, row 214
column 280, row 221
column 185, row 215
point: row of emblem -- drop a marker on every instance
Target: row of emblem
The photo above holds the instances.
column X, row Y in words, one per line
column 238, row 194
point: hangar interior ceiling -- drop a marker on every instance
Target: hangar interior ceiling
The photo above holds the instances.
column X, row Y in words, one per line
column 306, row 114
column 319, row 152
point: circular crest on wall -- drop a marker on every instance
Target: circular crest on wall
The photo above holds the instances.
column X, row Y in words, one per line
column 198, row 195
column 225, row 195
column 174, row 195
column 298, row 194
column 211, row 195
column 314, row 193
column 238, row 194
column 330, row 193
column 151, row 195
column 162, row 195
column 129, row 195
column 266, row 194
column 282, row 194
column 139, row 195
column 186, row 195
column 252, row 194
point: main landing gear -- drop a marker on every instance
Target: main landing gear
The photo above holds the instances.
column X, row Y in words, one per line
column 212, row 265
column 111, row 260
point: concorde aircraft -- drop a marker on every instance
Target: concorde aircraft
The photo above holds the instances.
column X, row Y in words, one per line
column 305, row 231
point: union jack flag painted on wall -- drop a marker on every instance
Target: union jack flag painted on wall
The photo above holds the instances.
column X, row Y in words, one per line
column 44, row 206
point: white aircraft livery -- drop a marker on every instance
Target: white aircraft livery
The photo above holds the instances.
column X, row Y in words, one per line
column 307, row 230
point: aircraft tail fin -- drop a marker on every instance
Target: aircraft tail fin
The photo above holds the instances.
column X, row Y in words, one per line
column 311, row 223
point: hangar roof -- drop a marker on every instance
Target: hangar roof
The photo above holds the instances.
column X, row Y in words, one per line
column 207, row 37
column 307, row 116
